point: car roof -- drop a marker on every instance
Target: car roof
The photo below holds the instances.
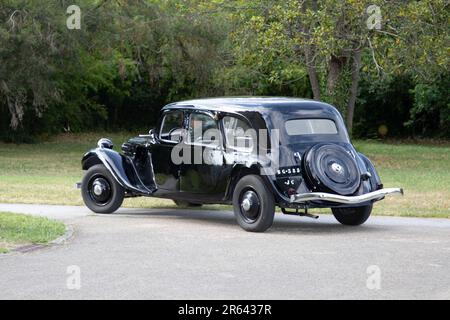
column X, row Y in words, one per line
column 251, row 104
column 269, row 112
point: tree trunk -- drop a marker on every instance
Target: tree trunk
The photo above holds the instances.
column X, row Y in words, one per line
column 312, row 73
column 335, row 69
column 309, row 52
column 353, row 89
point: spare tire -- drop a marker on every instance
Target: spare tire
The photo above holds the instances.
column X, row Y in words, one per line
column 331, row 168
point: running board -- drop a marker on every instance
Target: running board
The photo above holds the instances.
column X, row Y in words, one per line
column 323, row 196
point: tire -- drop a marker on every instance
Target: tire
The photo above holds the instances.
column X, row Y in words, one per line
column 260, row 205
column 186, row 204
column 112, row 194
column 352, row 216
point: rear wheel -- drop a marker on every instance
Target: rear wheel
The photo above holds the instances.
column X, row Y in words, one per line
column 186, row 204
column 100, row 191
column 254, row 204
column 352, row 216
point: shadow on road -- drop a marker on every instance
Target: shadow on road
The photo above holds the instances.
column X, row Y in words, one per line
column 282, row 224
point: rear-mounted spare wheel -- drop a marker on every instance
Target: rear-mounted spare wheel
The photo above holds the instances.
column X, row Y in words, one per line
column 331, row 168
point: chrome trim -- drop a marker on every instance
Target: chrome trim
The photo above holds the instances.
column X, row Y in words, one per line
column 246, row 204
column 323, row 196
column 105, row 143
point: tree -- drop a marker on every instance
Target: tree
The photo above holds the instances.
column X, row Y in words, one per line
column 53, row 77
column 334, row 40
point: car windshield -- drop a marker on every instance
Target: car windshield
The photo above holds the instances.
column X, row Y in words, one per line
column 298, row 127
column 171, row 126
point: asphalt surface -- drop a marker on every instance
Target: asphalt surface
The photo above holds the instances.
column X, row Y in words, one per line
column 182, row 254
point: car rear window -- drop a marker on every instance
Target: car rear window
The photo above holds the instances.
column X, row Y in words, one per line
column 297, row 127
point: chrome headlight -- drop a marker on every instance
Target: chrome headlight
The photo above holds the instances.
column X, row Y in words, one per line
column 105, row 143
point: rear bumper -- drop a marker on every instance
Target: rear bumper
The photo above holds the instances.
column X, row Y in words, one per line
column 323, row 196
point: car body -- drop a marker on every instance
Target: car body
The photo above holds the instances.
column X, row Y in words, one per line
column 263, row 152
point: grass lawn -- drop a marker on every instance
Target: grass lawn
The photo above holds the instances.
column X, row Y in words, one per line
column 46, row 173
column 18, row 229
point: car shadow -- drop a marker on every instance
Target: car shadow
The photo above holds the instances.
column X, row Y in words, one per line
column 283, row 224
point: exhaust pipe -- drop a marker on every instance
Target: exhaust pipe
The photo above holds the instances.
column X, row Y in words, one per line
column 323, row 196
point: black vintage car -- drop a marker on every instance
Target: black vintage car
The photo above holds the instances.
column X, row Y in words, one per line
column 253, row 153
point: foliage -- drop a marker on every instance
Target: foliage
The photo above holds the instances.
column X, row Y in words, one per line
column 128, row 58
column 383, row 102
column 331, row 42
column 132, row 57
column 430, row 114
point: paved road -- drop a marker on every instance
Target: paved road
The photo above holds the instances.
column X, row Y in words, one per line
column 178, row 254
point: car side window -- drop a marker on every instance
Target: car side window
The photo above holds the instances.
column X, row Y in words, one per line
column 238, row 134
column 172, row 126
column 203, row 130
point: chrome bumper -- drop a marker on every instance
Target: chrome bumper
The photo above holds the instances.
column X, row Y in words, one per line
column 322, row 196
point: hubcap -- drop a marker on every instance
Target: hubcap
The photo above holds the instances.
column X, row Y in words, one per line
column 246, row 204
column 250, row 206
column 336, row 167
column 100, row 190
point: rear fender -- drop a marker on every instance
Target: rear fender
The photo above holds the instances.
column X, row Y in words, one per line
column 375, row 180
column 241, row 170
column 121, row 168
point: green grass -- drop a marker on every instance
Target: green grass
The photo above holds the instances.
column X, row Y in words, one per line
column 422, row 170
column 46, row 173
column 18, row 229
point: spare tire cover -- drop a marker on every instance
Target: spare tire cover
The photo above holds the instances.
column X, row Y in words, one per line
column 331, row 168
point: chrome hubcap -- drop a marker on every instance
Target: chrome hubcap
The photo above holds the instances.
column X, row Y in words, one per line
column 250, row 206
column 336, row 167
column 100, row 190
column 246, row 204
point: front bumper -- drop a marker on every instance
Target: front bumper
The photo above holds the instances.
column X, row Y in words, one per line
column 323, row 196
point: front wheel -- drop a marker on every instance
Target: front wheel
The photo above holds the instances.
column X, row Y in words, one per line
column 100, row 191
column 352, row 216
column 253, row 204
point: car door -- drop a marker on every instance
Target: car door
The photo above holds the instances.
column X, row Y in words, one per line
column 169, row 135
column 200, row 177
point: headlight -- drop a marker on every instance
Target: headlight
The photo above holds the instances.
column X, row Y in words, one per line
column 105, row 143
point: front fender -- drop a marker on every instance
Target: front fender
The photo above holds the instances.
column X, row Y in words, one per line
column 120, row 167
